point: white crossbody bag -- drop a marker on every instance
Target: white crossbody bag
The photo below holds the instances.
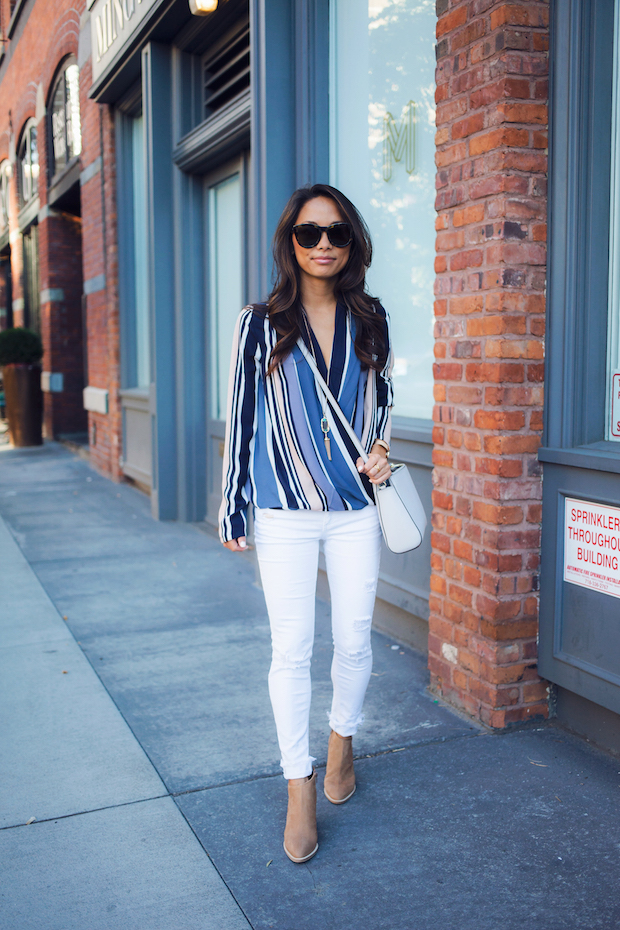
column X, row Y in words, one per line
column 401, row 514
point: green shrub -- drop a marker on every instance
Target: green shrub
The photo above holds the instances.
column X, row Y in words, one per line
column 20, row 346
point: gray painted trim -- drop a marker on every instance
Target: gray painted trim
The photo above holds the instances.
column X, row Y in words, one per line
column 138, row 474
column 579, row 147
column 216, row 139
column 578, row 461
column 590, row 457
column 123, row 69
column 28, row 214
column 84, row 40
column 90, row 171
column 191, row 354
column 559, row 598
column 52, row 295
column 92, row 285
column 407, row 597
column 45, row 212
column 157, row 97
column 273, row 131
column 413, row 429
column 412, row 441
column 136, row 398
column 311, row 25
column 126, row 256
column 64, row 181
column 597, row 724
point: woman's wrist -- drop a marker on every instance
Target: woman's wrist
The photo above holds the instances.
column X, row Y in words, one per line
column 382, row 445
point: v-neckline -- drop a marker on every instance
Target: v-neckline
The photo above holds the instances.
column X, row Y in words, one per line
column 333, row 372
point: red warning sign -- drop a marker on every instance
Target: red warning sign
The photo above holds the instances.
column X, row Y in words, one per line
column 592, row 545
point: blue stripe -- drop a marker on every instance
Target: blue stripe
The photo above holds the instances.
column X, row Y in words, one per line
column 259, row 466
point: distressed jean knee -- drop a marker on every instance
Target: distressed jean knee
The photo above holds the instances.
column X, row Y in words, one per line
column 290, row 660
column 354, row 654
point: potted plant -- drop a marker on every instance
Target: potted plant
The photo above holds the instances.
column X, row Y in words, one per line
column 20, row 354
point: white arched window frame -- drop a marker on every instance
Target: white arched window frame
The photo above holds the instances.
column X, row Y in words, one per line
column 29, row 163
column 5, row 177
column 65, row 126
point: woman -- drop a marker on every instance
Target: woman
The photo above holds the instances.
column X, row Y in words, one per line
column 287, row 454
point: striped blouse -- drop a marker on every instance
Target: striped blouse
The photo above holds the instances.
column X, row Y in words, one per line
column 274, row 454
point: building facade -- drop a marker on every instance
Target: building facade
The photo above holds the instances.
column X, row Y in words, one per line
column 493, row 216
column 50, row 212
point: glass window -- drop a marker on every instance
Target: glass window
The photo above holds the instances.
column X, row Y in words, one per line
column 32, row 307
column 613, row 335
column 65, row 118
column 382, row 156
column 29, row 164
column 5, row 174
column 225, row 282
column 143, row 366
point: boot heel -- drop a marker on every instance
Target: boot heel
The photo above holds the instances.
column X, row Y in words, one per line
column 339, row 784
column 300, row 833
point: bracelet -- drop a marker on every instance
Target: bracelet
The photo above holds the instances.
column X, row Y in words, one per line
column 383, row 444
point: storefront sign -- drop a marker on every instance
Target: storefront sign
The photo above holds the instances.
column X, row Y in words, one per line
column 615, row 405
column 112, row 23
column 399, row 141
column 592, row 545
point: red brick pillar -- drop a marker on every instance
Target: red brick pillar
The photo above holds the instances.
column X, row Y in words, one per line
column 491, row 203
column 100, row 265
column 60, row 277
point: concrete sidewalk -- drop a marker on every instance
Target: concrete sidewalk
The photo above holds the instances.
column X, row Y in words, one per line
column 138, row 733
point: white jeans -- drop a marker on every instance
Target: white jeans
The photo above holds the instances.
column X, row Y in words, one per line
column 287, row 545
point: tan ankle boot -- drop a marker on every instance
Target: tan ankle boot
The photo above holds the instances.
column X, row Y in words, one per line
column 339, row 782
column 300, row 836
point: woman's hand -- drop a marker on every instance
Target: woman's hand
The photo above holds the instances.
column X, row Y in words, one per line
column 377, row 467
column 236, row 545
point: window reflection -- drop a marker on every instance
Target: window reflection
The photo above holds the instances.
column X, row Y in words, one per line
column 29, row 164
column 383, row 158
column 5, row 174
column 65, row 118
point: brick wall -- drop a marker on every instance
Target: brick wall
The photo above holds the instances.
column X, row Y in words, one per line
column 101, row 263
column 71, row 249
column 60, row 256
column 490, row 264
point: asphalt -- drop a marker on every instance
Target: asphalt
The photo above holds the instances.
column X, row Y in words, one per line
column 139, row 777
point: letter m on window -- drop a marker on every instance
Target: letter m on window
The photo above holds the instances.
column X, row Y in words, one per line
column 399, row 141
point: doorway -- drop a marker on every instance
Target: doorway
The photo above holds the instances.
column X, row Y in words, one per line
column 225, row 199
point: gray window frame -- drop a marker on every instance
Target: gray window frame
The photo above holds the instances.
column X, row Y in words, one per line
column 54, row 172
column 578, row 256
column 21, row 152
column 579, row 461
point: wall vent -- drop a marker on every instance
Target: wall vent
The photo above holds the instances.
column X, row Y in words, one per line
column 227, row 68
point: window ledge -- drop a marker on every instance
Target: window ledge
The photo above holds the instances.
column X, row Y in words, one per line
column 28, row 214
column 64, row 180
column 215, row 138
column 598, row 456
column 412, row 429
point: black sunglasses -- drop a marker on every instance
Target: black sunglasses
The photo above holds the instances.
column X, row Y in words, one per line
column 309, row 234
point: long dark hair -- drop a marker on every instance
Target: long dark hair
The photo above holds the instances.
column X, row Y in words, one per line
column 284, row 302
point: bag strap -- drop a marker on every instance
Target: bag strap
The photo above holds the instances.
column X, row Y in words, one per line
column 320, row 380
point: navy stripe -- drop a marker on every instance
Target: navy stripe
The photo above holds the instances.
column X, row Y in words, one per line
column 259, row 463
